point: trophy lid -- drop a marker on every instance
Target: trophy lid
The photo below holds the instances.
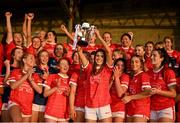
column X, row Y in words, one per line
column 85, row 25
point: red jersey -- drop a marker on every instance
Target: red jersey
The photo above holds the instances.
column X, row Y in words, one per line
column 78, row 79
column 175, row 54
column 20, row 94
column 57, row 104
column 9, row 47
column 112, row 47
column 137, row 84
column 117, row 104
column 162, row 79
column 90, row 48
column 69, row 49
column 148, row 63
column 129, row 52
column 97, row 87
column 50, row 48
column 74, row 68
column 31, row 50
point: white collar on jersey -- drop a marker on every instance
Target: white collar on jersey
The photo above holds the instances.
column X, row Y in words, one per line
column 156, row 71
column 63, row 76
column 138, row 73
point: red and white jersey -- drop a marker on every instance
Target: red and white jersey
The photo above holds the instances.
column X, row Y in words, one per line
column 78, row 79
column 9, row 47
column 117, row 104
column 162, row 79
column 137, row 84
column 57, row 104
column 20, row 94
column 148, row 63
column 97, row 87
column 50, row 48
column 90, row 48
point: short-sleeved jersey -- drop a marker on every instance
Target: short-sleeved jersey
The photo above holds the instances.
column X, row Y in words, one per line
column 162, row 79
column 57, row 104
column 117, row 104
column 78, row 79
column 50, row 48
column 20, row 94
column 90, row 48
column 97, row 87
column 137, row 84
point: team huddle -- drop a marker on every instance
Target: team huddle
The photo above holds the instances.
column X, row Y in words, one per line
column 46, row 81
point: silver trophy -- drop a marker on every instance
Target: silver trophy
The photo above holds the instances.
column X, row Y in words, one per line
column 77, row 33
column 83, row 34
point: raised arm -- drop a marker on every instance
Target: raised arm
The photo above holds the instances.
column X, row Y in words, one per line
column 64, row 29
column 107, row 48
column 83, row 58
column 9, row 38
column 30, row 16
column 24, row 28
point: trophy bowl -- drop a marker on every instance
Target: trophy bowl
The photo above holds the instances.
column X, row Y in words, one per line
column 83, row 34
column 82, row 43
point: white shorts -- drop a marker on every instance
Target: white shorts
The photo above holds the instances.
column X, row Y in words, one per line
column 98, row 113
column 166, row 113
column 79, row 109
column 55, row 118
column 11, row 103
column 36, row 107
column 120, row 114
column 4, row 107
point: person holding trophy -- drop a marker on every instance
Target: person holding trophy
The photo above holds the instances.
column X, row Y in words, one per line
column 97, row 108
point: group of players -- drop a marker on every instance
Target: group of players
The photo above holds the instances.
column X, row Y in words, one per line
column 43, row 80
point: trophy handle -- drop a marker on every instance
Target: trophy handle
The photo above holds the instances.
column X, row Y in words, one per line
column 77, row 27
